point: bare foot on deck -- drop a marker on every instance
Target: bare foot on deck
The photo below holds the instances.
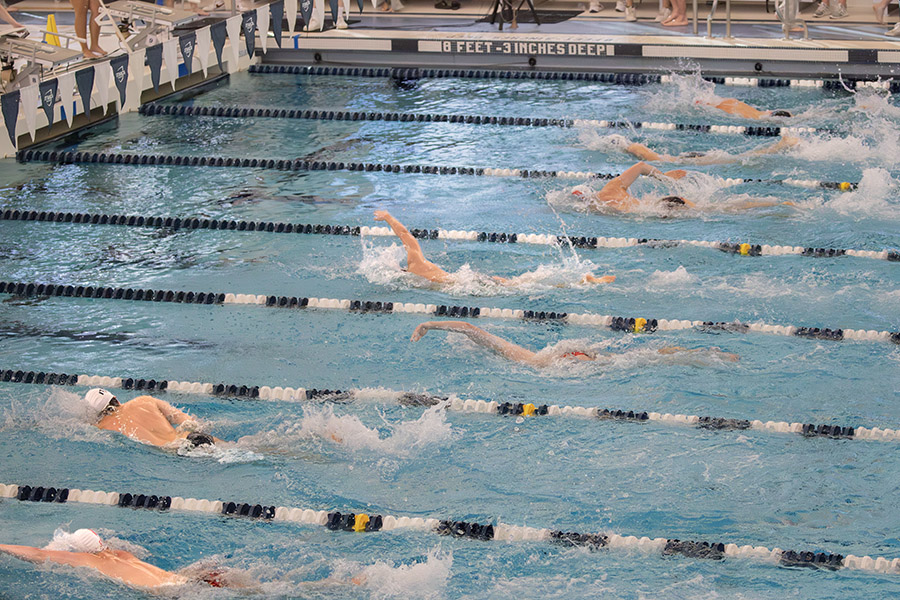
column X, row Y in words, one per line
column 98, row 52
column 675, row 22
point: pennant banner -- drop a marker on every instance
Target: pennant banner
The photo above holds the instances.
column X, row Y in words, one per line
column 84, row 79
column 217, row 34
column 67, row 95
column 233, row 27
column 170, row 57
column 306, row 10
column 136, row 66
column 334, row 10
column 188, row 43
column 360, row 3
column 201, row 48
column 290, row 11
column 47, row 90
column 119, row 66
column 9, row 103
column 154, row 61
column 103, row 72
column 262, row 26
column 248, row 24
column 30, row 108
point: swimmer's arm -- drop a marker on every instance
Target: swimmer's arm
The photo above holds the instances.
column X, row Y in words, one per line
column 644, row 153
column 480, row 337
column 747, row 205
column 36, row 555
column 409, row 241
column 173, row 415
column 787, row 141
column 680, row 349
column 631, row 174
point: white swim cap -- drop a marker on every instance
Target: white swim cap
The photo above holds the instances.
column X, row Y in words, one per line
column 82, row 540
column 98, row 399
column 582, row 190
column 617, row 140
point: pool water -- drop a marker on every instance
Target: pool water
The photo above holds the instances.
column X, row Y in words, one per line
column 746, row 487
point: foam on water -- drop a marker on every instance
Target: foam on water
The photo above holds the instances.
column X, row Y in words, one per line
column 63, row 415
column 679, row 278
column 404, row 439
column 875, row 197
column 426, row 579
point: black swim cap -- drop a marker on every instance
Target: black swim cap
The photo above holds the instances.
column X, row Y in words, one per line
column 673, row 200
column 692, row 154
column 200, row 439
column 781, row 113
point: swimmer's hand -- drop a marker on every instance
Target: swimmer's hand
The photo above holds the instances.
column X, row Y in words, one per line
column 189, row 425
column 590, row 278
column 382, row 215
column 420, row 332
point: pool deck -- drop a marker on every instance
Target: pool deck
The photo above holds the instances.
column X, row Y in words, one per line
column 569, row 39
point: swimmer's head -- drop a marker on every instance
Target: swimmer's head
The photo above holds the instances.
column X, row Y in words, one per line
column 692, row 154
column 81, row 540
column 198, row 438
column 582, row 191
column 780, row 113
column 213, row 578
column 673, row 201
column 99, row 400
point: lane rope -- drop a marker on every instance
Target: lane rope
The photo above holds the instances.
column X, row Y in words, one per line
column 125, row 158
column 613, row 323
column 363, row 522
column 155, row 109
column 587, row 242
column 401, row 74
column 453, row 402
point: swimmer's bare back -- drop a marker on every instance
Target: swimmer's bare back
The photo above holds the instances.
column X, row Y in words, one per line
column 147, row 420
column 733, row 106
column 115, row 564
column 614, row 194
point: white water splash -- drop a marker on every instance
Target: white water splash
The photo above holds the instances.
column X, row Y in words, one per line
column 678, row 278
column 426, row 580
column 875, row 197
column 404, row 439
column 383, row 266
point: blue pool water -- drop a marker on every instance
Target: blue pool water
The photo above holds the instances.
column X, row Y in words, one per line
column 562, row 473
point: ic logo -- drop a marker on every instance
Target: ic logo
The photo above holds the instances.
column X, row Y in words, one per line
column 305, row 5
column 49, row 98
column 249, row 25
column 187, row 50
column 121, row 75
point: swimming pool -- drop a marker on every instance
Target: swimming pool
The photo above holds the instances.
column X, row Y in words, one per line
column 648, row 479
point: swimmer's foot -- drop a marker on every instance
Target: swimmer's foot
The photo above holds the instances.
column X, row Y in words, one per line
column 675, row 22
column 386, row 7
column 589, row 278
column 98, row 51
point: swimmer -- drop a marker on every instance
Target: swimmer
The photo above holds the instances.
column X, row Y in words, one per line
column 417, row 264
column 84, row 548
column 741, row 109
column 614, row 195
column 145, row 419
column 701, row 158
column 525, row 356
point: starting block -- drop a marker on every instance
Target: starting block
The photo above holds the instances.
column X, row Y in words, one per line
column 38, row 57
column 158, row 21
